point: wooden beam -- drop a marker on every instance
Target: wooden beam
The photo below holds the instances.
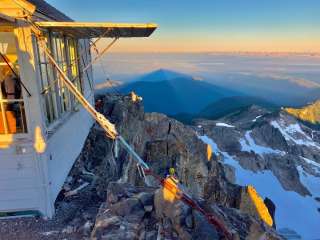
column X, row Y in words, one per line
column 16, row 8
column 6, row 26
column 97, row 25
column 96, row 29
column 6, row 18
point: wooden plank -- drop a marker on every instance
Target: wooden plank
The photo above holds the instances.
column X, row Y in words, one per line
column 97, row 29
column 17, row 184
column 15, row 162
column 26, row 173
column 97, row 24
column 12, row 148
column 11, row 195
column 6, row 17
column 16, row 9
column 19, row 205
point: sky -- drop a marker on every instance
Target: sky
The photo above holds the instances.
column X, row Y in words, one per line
column 209, row 25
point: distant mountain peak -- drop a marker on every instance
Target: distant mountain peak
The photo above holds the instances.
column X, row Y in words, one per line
column 309, row 113
column 172, row 93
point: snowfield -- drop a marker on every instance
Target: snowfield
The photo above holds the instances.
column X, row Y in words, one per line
column 315, row 165
column 256, row 118
column 293, row 211
column 248, row 145
column 224, row 125
column 311, row 182
column 294, row 133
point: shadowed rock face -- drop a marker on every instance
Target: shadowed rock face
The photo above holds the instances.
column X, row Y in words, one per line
column 263, row 147
column 275, row 142
column 133, row 211
column 161, row 141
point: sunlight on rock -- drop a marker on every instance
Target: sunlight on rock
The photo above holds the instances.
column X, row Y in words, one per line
column 39, row 142
column 260, row 206
column 135, row 97
column 309, row 113
column 209, row 152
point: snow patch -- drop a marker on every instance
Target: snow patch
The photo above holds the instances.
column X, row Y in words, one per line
column 224, row 125
column 291, row 208
column 248, row 145
column 256, row 118
column 227, row 158
column 294, row 133
column 315, row 165
column 311, row 182
column 209, row 141
column 49, row 233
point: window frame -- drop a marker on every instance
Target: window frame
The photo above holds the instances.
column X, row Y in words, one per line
column 21, row 101
column 63, row 102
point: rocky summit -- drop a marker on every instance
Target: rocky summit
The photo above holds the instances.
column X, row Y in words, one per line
column 279, row 155
column 309, row 114
column 114, row 202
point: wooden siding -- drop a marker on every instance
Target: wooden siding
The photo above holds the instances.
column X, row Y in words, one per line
column 31, row 180
column 19, row 186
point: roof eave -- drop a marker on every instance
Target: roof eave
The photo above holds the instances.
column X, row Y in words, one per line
column 16, row 9
column 101, row 29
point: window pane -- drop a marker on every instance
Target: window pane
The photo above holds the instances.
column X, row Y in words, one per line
column 44, row 76
column 3, row 120
column 12, row 113
column 57, row 98
column 15, row 119
column 74, row 63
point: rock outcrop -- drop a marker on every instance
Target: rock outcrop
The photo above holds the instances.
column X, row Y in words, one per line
column 142, row 213
column 310, row 113
column 276, row 152
column 130, row 210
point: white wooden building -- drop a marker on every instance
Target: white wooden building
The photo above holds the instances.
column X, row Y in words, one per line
column 42, row 126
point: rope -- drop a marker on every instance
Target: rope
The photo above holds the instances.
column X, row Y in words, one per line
column 102, row 66
column 83, row 62
column 190, row 202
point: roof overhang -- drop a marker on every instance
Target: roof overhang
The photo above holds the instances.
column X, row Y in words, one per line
column 85, row 30
column 11, row 9
column 6, row 18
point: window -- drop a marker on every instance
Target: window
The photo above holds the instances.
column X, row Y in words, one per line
column 74, row 65
column 12, row 113
column 57, row 99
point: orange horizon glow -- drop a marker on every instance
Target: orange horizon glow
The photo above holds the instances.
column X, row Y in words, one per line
column 240, row 44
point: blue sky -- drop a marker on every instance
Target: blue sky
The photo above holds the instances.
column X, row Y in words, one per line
column 210, row 25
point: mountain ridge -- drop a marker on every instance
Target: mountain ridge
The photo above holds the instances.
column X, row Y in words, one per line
column 176, row 94
column 276, row 153
column 309, row 113
column 226, row 106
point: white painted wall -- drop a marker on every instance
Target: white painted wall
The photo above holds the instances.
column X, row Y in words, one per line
column 31, row 180
column 64, row 147
column 19, row 187
column 22, row 184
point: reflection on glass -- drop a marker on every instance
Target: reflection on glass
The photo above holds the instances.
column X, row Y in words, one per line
column 12, row 112
column 12, row 119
